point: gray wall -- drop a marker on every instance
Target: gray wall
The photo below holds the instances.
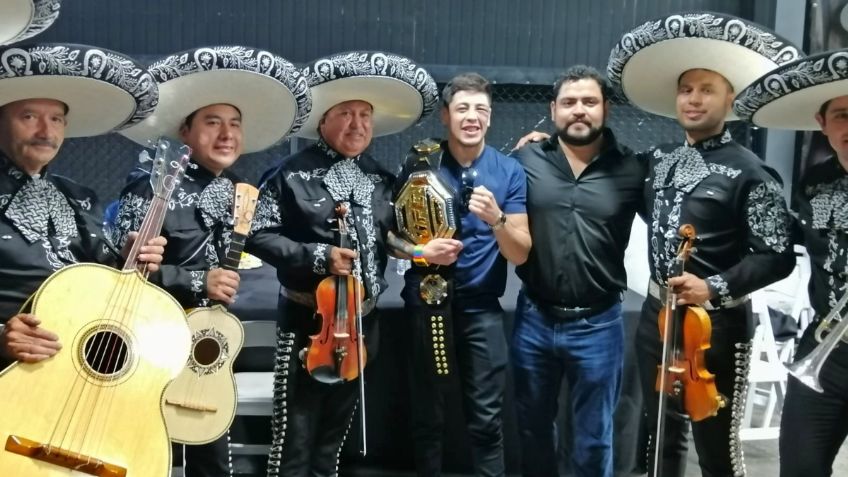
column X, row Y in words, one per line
column 516, row 35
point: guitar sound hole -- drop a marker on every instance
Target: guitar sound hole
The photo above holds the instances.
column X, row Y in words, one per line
column 106, row 353
column 206, row 351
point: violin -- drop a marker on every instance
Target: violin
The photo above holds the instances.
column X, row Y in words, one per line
column 333, row 354
column 682, row 374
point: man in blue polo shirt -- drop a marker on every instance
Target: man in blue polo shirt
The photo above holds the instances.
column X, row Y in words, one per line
column 493, row 229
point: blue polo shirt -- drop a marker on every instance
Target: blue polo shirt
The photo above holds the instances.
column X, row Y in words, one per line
column 481, row 269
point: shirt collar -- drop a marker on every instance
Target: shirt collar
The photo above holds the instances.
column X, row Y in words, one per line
column 330, row 152
column 7, row 167
column 713, row 142
column 610, row 145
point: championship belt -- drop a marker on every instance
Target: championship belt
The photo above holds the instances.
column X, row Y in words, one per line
column 425, row 208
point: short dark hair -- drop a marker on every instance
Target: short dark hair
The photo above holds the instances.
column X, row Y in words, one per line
column 188, row 119
column 823, row 108
column 466, row 82
column 581, row 72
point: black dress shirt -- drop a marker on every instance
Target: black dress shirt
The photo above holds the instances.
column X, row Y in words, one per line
column 198, row 226
column 295, row 224
column 46, row 223
column 823, row 218
column 734, row 201
column 580, row 225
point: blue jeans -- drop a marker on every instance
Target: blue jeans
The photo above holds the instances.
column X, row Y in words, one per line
column 588, row 352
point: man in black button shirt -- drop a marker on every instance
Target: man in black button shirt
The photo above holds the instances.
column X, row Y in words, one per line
column 583, row 191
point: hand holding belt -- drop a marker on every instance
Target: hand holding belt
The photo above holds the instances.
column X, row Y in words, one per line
column 659, row 292
column 425, row 209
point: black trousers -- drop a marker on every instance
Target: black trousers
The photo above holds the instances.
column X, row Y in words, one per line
column 208, row 460
column 310, row 419
column 716, row 438
column 813, row 426
column 481, row 356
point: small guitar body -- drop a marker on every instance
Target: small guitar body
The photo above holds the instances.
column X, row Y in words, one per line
column 201, row 403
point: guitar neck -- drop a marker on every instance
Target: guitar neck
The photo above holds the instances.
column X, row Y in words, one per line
column 233, row 258
column 150, row 228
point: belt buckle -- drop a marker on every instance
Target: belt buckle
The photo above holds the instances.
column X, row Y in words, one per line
column 433, row 289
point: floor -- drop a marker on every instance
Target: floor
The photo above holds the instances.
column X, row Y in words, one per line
column 761, row 460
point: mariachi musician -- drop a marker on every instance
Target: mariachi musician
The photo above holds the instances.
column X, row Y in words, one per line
column 733, row 200
column 202, row 102
column 48, row 221
column 355, row 96
column 451, row 293
column 808, row 94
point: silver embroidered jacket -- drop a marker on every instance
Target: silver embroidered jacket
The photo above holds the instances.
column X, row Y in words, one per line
column 198, row 226
column 823, row 219
column 294, row 230
column 46, row 223
column 736, row 205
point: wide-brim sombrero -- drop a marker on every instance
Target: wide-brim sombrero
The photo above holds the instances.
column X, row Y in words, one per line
column 401, row 92
column 648, row 60
column 790, row 96
column 272, row 94
column 103, row 89
column 22, row 19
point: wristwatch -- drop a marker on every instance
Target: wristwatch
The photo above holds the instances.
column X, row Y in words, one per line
column 499, row 224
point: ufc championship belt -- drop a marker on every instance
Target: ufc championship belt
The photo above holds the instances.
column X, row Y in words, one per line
column 425, row 208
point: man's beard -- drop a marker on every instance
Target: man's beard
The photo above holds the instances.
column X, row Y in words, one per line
column 590, row 137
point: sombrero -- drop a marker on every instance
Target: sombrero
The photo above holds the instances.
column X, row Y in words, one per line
column 790, row 96
column 400, row 91
column 104, row 90
column 22, row 19
column 271, row 93
column 648, row 60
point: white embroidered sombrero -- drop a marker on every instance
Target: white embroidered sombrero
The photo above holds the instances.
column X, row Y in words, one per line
column 271, row 93
column 401, row 92
column 104, row 90
column 22, row 19
column 648, row 60
column 790, row 96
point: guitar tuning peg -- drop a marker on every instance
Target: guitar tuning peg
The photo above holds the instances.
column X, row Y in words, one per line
column 144, row 156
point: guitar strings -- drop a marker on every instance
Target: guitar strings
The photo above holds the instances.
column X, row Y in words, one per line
column 133, row 309
column 127, row 296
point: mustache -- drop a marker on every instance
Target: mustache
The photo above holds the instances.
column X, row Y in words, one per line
column 43, row 142
column 580, row 121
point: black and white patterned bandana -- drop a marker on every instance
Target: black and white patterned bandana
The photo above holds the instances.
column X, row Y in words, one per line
column 346, row 182
column 37, row 205
column 829, row 203
column 216, row 202
column 688, row 164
